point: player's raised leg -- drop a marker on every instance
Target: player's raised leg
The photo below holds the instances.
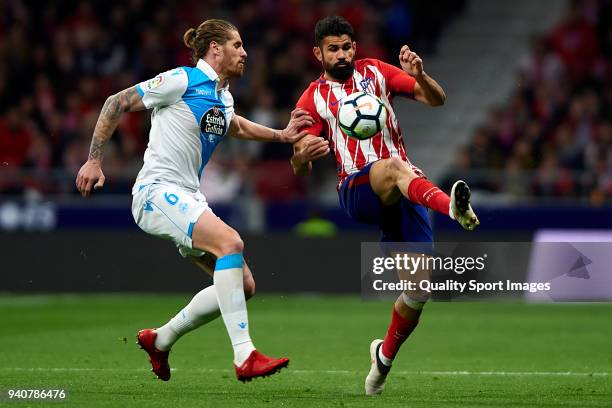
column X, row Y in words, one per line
column 393, row 176
column 212, row 235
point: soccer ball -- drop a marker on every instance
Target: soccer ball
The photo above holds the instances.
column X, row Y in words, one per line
column 361, row 115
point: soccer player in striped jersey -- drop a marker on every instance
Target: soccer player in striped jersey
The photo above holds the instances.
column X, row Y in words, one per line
column 377, row 183
column 193, row 111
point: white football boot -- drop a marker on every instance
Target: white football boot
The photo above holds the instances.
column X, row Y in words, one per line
column 375, row 381
column 460, row 208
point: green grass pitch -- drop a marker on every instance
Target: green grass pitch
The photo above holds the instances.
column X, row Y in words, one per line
column 462, row 354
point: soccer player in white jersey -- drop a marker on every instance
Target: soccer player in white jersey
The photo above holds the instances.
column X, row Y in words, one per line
column 193, row 110
column 377, row 182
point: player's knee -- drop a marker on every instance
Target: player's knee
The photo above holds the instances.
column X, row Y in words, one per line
column 400, row 171
column 394, row 168
column 395, row 165
column 249, row 287
column 231, row 245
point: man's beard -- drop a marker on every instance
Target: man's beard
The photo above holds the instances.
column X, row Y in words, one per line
column 341, row 70
column 235, row 71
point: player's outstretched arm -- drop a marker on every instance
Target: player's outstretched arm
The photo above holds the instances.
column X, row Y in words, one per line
column 426, row 89
column 90, row 175
column 243, row 128
column 306, row 150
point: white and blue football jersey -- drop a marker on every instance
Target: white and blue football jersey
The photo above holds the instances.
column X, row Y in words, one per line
column 189, row 118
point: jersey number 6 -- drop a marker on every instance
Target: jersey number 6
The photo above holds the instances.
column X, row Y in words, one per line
column 171, row 198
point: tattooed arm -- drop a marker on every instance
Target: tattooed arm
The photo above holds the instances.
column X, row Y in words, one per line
column 90, row 175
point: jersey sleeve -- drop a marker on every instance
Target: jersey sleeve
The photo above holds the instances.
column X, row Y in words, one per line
column 163, row 90
column 398, row 81
column 306, row 102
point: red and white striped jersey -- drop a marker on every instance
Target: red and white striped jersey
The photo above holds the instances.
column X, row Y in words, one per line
column 321, row 99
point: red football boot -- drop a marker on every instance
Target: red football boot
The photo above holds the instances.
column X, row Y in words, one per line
column 259, row 365
column 158, row 359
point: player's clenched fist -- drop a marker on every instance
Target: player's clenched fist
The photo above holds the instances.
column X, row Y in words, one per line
column 90, row 176
column 313, row 149
column 410, row 61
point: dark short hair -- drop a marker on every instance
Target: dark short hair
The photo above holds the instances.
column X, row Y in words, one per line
column 333, row 26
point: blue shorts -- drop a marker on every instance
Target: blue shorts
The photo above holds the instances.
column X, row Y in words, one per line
column 403, row 221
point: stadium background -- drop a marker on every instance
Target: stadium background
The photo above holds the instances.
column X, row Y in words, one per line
column 527, row 123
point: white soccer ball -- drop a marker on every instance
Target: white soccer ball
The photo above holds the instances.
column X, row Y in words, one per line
column 362, row 115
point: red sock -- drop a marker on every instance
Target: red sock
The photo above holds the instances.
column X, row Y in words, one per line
column 398, row 332
column 424, row 192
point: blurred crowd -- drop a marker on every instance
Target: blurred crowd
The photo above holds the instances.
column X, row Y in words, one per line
column 553, row 138
column 60, row 60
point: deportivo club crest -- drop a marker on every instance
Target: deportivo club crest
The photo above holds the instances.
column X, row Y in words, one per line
column 213, row 122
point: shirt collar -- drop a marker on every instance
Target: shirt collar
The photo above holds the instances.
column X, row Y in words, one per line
column 322, row 80
column 209, row 71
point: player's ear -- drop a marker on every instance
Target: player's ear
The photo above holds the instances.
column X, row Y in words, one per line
column 214, row 46
column 317, row 53
column 354, row 47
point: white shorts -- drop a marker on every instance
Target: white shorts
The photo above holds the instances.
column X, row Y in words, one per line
column 169, row 212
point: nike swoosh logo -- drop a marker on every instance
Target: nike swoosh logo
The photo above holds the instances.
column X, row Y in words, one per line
column 363, row 105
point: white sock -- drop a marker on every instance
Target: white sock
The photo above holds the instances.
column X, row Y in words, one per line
column 230, row 294
column 411, row 303
column 385, row 360
column 202, row 309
